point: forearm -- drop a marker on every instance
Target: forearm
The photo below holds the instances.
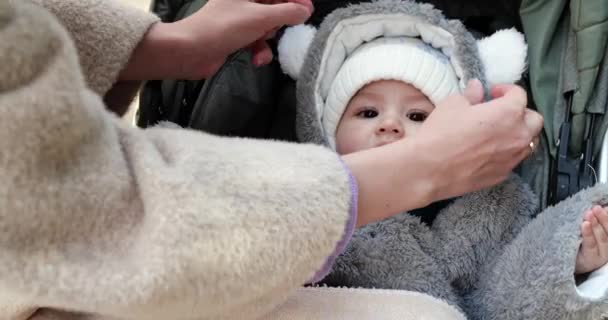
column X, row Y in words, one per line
column 392, row 179
column 160, row 55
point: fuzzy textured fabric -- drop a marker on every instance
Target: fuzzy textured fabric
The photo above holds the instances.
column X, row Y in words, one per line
column 93, row 39
column 532, row 278
column 331, row 304
column 293, row 48
column 503, row 57
column 345, row 303
column 442, row 260
column 14, row 308
column 486, row 253
column 105, row 219
column 120, row 30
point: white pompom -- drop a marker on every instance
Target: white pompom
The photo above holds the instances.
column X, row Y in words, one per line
column 293, row 48
column 504, row 56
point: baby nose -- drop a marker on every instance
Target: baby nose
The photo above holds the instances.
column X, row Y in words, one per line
column 391, row 127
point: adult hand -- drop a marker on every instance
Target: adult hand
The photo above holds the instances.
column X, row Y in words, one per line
column 224, row 26
column 475, row 145
column 195, row 47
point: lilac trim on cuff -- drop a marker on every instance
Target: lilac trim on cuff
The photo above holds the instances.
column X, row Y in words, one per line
column 348, row 229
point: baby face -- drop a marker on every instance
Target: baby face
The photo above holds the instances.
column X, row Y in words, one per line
column 380, row 113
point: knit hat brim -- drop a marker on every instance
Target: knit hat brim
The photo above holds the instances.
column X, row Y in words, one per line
column 394, row 58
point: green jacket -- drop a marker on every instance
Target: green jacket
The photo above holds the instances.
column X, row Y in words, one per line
column 567, row 49
column 569, row 84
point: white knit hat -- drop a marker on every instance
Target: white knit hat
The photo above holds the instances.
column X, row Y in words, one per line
column 398, row 58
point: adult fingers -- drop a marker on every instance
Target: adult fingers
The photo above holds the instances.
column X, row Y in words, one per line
column 307, row 3
column 508, row 95
column 533, row 146
column 261, row 53
column 287, row 13
column 271, row 34
column 534, row 122
column 474, row 92
column 514, row 99
column 499, row 90
column 520, row 156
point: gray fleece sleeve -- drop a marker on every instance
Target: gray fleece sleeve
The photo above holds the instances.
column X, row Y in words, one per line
column 533, row 278
column 102, row 218
column 472, row 231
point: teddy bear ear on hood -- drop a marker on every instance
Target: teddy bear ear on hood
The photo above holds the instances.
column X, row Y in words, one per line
column 293, row 48
column 503, row 53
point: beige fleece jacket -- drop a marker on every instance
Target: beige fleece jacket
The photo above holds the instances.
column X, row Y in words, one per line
column 100, row 218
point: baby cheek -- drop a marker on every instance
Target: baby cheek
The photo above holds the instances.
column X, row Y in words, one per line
column 412, row 128
column 346, row 145
column 349, row 141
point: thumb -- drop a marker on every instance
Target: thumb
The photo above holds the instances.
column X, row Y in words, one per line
column 500, row 90
column 288, row 13
column 474, row 91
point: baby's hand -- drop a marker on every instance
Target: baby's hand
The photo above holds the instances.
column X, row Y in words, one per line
column 593, row 252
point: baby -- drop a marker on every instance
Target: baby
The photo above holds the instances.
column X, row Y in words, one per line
column 370, row 76
column 385, row 111
column 391, row 108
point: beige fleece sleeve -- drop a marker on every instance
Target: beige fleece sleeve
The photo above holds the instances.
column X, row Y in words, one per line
column 103, row 218
column 105, row 33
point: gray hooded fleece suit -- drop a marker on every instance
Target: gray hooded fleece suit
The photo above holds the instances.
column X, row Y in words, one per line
column 487, row 252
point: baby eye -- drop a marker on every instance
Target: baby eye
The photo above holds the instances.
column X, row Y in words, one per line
column 417, row 116
column 368, row 113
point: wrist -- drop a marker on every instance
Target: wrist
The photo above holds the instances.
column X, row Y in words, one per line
column 416, row 160
column 392, row 179
column 158, row 55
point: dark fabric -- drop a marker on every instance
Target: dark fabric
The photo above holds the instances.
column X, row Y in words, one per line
column 428, row 214
column 483, row 16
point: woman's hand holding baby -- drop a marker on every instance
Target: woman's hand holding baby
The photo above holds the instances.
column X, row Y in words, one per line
column 472, row 145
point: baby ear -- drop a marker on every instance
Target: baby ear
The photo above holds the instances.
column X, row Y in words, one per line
column 503, row 55
column 293, row 47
